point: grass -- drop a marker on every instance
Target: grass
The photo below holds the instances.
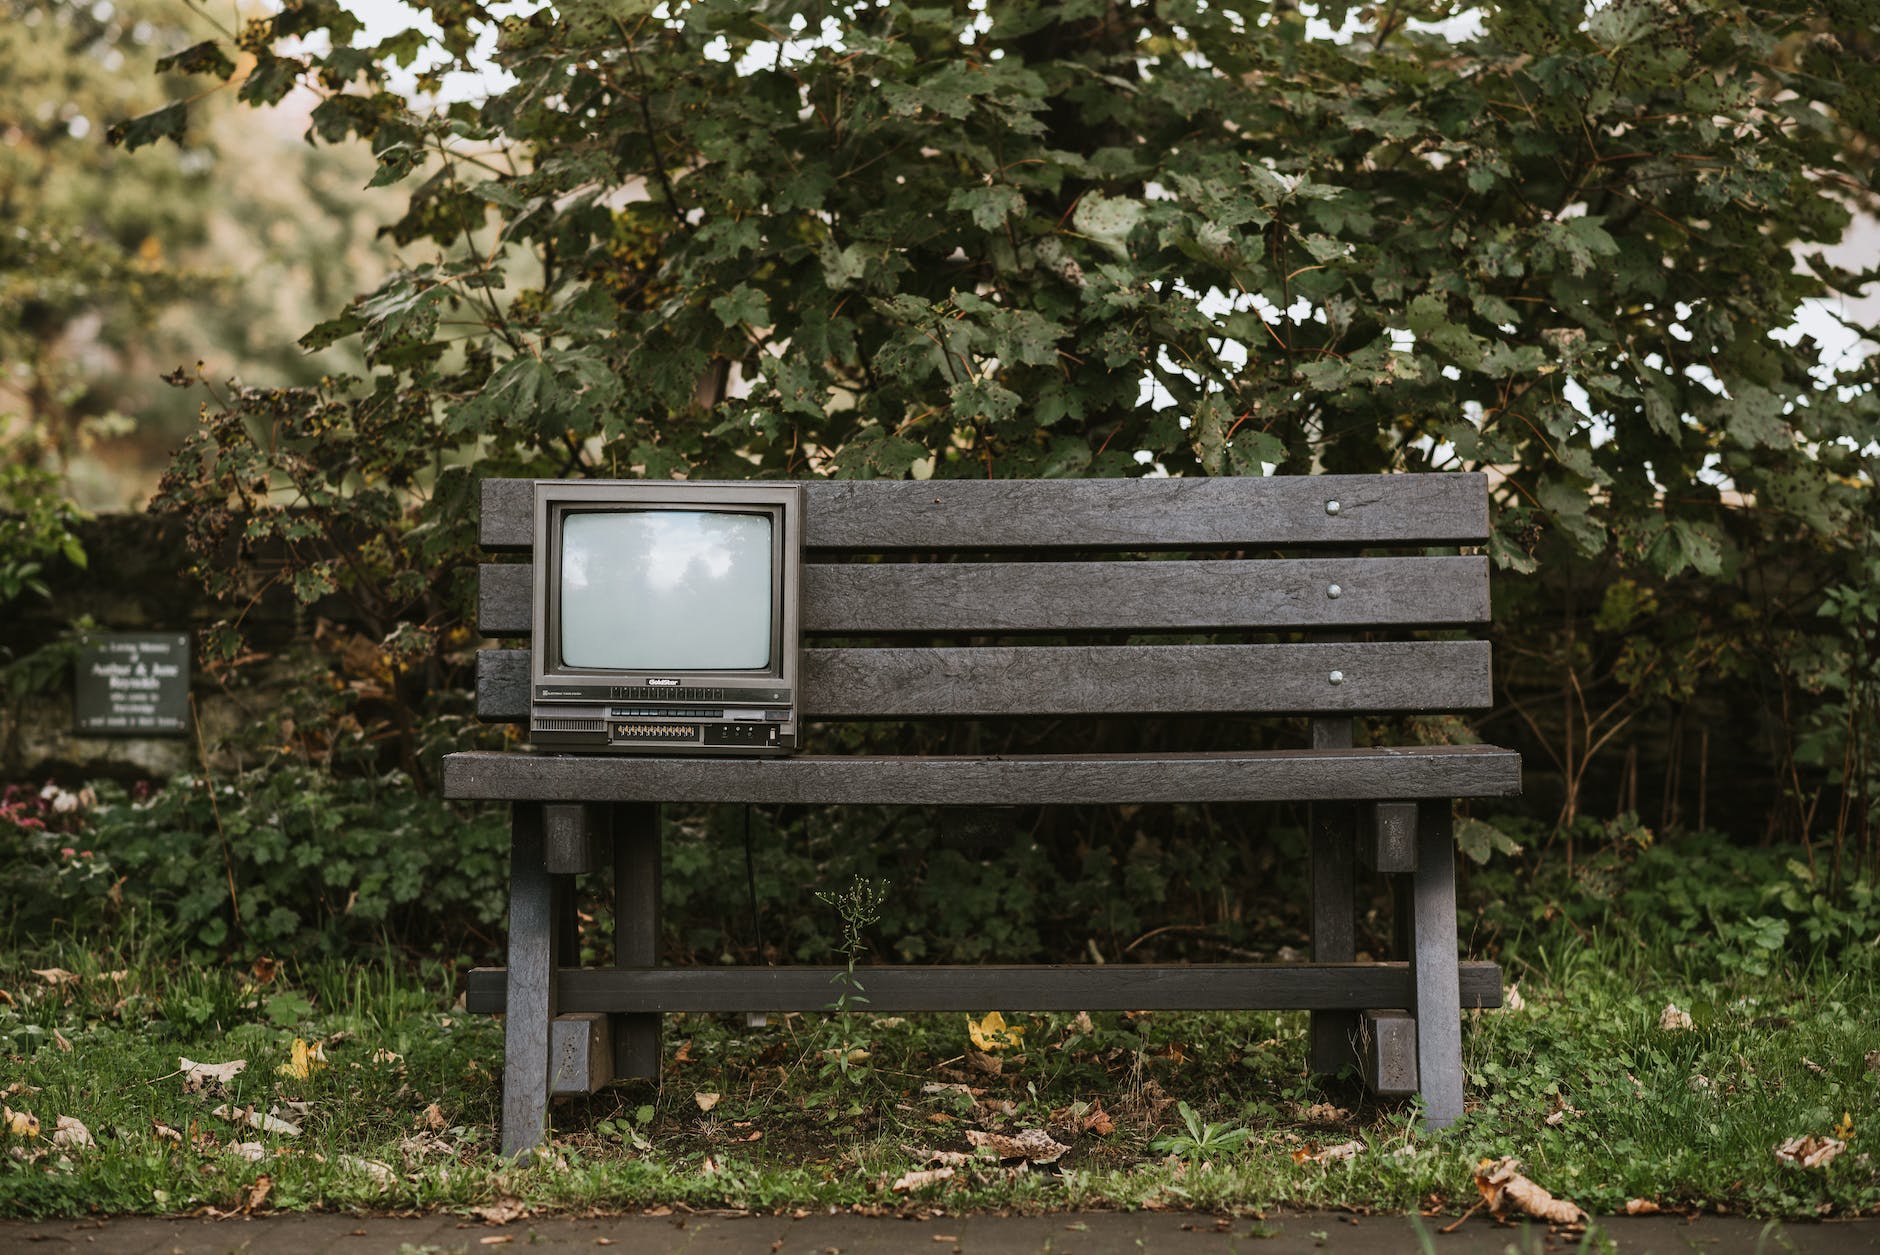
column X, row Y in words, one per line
column 402, row 1116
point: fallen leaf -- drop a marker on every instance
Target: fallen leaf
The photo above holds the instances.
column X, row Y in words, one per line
column 1814, row 1067
column 496, row 1239
column 303, row 1060
column 945, row 1237
column 888, row 1021
column 253, row 1152
column 993, row 1034
column 505, row 1209
column 20, row 1123
column 940, row 1087
column 209, row 1077
column 1672, row 1020
column 918, row 1180
column 1810, row 1151
column 980, row 1061
column 1098, row 1121
column 1514, row 1001
column 1845, row 1129
column 59, row 1039
column 1081, row 1025
column 684, row 1053
column 1034, row 1145
column 1329, row 1154
column 999, row 1106
column 382, row 1055
column 1872, row 1060
column 55, row 976
column 431, row 1118
column 380, row 1174
column 705, row 1101
column 71, row 1133
column 6, row 999
column 1500, row 1183
column 1327, row 1113
column 255, row 1194
column 1641, row 1207
column 165, row 1132
column 257, row 1119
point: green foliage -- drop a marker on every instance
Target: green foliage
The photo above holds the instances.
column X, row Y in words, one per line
column 1200, row 1139
column 1033, row 238
column 287, row 860
column 37, row 524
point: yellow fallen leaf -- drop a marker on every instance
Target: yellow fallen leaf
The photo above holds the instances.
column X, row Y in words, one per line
column 20, row 1123
column 305, row 1060
column 1641, row 1207
column 1845, row 1129
column 993, row 1033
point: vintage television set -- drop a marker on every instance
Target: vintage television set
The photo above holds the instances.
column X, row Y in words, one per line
column 666, row 617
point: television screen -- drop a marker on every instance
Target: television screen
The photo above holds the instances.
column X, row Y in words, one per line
column 666, row 590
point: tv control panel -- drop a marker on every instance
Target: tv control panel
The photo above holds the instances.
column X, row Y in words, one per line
column 597, row 720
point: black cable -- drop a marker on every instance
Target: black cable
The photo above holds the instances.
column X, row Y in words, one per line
column 750, row 880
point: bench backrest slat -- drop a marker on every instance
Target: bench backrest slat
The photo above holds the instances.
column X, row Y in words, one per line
column 1128, row 514
column 1171, row 596
column 1100, row 680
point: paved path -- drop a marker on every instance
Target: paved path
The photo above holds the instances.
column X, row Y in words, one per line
column 1104, row 1233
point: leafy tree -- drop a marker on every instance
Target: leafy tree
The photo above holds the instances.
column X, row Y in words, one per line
column 1028, row 237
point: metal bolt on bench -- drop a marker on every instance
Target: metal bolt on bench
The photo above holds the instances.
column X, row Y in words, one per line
column 1385, row 809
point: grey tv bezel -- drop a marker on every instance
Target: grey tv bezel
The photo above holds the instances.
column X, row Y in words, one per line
column 783, row 502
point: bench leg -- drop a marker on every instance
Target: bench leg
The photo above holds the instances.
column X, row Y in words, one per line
column 637, row 854
column 530, row 1010
column 1334, row 926
column 1433, row 964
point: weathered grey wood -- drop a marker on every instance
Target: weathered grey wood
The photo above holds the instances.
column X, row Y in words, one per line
column 1102, row 679
column 1437, row 1001
column 531, row 987
column 583, row 1050
column 993, row 597
column 1387, row 1052
column 1226, row 776
column 571, row 834
column 1113, row 987
column 1104, row 513
column 637, row 878
column 1387, row 836
column 1332, row 827
column 504, row 594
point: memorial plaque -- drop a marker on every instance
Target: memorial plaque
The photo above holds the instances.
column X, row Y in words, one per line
column 133, row 684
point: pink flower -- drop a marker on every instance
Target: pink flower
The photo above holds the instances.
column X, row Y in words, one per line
column 67, row 852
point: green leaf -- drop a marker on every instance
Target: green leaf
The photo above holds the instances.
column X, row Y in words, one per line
column 206, row 57
column 742, row 304
column 989, row 206
column 168, row 123
column 1108, row 220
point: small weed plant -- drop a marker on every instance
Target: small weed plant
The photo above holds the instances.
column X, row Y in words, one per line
column 1199, row 1139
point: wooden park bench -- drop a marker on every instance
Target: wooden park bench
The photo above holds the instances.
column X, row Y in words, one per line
column 917, row 561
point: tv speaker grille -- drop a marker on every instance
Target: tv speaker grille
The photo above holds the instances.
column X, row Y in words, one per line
column 571, row 725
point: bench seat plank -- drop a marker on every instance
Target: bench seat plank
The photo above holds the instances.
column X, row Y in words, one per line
column 1408, row 509
column 1066, row 987
column 997, row 681
column 851, row 599
column 1409, row 772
